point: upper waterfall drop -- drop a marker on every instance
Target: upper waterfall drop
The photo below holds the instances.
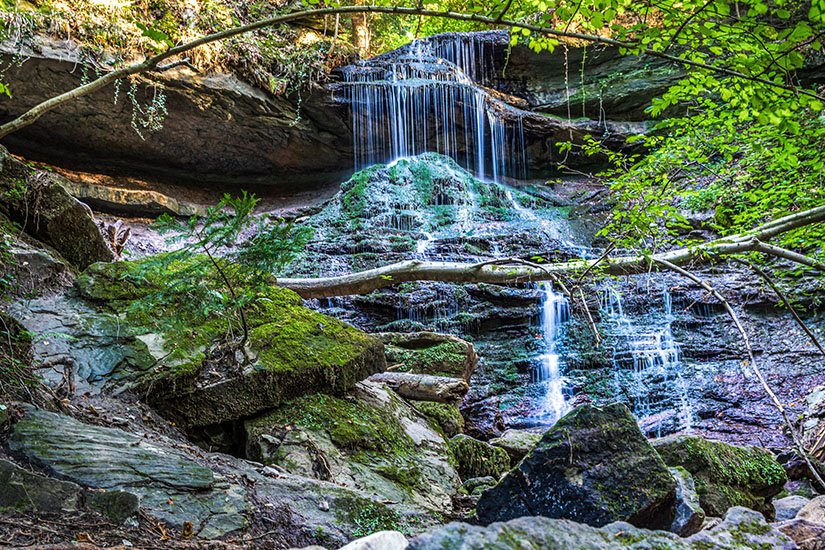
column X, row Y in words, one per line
column 425, row 97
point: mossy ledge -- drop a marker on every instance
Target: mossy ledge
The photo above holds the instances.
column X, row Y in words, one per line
column 726, row 475
column 296, row 351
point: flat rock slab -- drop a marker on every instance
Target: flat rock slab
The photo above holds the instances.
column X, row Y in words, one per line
column 593, row 466
column 171, row 487
column 742, row 529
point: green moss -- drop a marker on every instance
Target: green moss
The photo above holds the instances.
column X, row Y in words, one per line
column 725, row 475
column 350, row 425
column 478, row 459
column 448, row 421
column 445, row 359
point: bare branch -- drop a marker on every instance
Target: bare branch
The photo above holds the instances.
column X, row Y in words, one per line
column 784, row 299
column 491, row 272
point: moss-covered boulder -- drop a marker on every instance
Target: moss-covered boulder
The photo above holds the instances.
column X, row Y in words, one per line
column 477, row 458
column 44, row 209
column 369, row 440
column 726, row 475
column 593, row 466
column 430, row 353
column 296, row 351
column 445, row 416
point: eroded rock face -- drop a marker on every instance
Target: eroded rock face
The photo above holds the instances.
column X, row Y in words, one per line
column 218, row 129
column 594, row 466
column 726, row 475
column 45, row 210
column 742, row 529
column 371, row 441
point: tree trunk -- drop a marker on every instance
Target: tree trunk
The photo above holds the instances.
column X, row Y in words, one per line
column 361, row 31
column 424, row 387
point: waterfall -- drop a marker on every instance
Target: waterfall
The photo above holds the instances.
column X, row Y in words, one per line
column 555, row 310
column 426, row 99
column 648, row 361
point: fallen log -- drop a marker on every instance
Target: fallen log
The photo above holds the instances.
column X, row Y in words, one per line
column 424, row 387
column 515, row 270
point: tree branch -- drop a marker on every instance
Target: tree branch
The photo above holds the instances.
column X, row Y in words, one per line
column 492, row 272
column 783, row 298
column 152, row 63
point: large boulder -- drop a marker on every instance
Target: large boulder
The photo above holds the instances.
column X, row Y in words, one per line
column 593, row 466
column 742, row 529
column 296, row 351
column 430, row 353
column 726, row 475
column 44, row 209
column 371, row 440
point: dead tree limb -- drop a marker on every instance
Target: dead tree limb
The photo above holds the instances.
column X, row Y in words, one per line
column 525, row 271
column 763, row 382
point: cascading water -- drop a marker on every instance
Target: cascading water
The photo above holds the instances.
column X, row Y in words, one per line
column 425, row 99
column 555, row 310
column 647, row 360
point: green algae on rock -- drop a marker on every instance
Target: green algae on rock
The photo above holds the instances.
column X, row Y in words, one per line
column 297, row 351
column 726, row 475
column 430, row 353
column 446, row 416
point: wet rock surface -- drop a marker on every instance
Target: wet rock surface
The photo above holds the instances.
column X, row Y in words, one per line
column 593, row 466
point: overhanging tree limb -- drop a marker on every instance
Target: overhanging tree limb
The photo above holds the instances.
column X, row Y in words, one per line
column 154, row 62
column 490, row 272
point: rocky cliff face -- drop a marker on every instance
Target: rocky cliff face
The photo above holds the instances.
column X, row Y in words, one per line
column 219, row 131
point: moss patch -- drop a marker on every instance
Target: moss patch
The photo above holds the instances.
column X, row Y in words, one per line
column 445, row 416
column 296, row 350
column 478, row 459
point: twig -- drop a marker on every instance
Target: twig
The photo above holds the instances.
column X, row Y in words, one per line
column 784, row 299
column 778, row 404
